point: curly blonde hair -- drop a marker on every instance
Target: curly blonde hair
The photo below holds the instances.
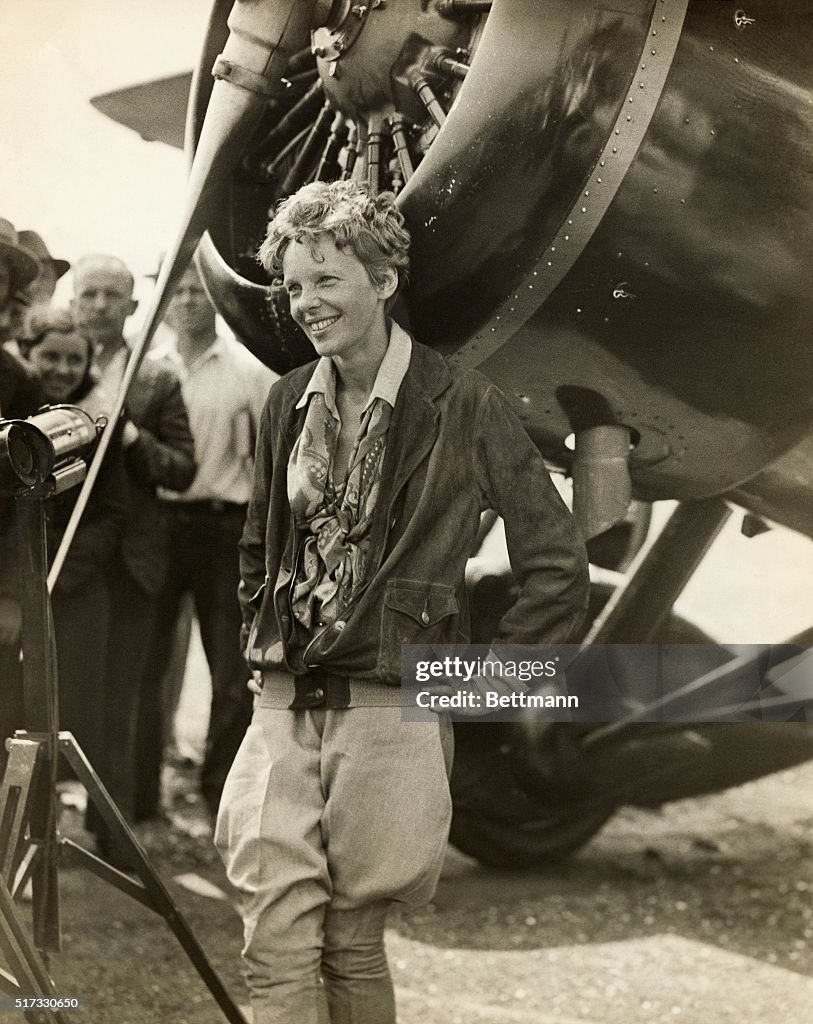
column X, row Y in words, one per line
column 370, row 226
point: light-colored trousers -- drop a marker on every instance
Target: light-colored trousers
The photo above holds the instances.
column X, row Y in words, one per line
column 327, row 817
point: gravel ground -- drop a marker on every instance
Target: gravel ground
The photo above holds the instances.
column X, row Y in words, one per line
column 698, row 914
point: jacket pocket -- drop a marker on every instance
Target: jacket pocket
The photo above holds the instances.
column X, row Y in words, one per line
column 414, row 612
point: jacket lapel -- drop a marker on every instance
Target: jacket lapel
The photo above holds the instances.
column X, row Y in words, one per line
column 414, row 425
column 412, row 434
column 413, row 431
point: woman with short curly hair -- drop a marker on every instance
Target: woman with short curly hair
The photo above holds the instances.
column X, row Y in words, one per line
column 373, row 467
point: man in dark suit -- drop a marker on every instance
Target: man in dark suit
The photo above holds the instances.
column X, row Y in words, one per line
column 159, row 451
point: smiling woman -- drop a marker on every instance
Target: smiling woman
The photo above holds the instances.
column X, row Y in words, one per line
column 342, row 259
column 373, row 467
column 333, row 300
column 61, row 355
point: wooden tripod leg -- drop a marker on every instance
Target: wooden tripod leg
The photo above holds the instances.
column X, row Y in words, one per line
column 27, row 817
column 16, row 791
column 151, row 891
column 30, row 976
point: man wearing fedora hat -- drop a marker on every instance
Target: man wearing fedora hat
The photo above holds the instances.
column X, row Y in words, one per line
column 18, row 268
column 41, row 290
column 37, row 294
column 20, row 396
column 19, row 390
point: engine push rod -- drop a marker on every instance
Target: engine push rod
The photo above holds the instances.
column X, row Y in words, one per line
column 459, row 8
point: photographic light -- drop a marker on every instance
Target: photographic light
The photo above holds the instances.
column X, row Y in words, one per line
column 32, row 450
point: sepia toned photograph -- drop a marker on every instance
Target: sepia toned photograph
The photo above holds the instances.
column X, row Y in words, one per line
column 406, row 464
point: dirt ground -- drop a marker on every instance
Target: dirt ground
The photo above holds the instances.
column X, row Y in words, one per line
column 698, row 914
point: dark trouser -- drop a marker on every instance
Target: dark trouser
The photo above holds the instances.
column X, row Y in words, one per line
column 203, row 560
column 131, row 623
column 81, row 620
column 81, row 628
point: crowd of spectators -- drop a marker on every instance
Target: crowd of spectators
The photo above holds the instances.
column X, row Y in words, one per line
column 163, row 521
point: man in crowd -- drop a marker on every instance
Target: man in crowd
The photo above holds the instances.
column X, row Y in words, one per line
column 36, row 295
column 159, row 451
column 224, row 388
column 20, row 396
column 42, row 288
column 19, row 392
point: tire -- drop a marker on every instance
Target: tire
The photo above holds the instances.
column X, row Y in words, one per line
column 520, row 803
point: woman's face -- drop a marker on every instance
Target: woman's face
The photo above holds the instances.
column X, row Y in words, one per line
column 62, row 361
column 333, row 299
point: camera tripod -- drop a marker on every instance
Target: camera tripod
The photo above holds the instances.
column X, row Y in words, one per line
column 31, row 848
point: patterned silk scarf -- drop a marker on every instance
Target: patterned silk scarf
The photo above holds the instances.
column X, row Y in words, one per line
column 335, row 520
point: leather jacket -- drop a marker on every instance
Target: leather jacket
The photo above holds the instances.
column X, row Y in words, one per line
column 454, row 448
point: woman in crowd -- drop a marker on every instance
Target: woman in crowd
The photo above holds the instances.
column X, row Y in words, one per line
column 373, row 466
column 81, row 600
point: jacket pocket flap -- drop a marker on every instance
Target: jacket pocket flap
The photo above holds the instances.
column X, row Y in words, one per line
column 426, row 603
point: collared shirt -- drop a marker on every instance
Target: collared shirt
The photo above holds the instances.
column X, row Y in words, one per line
column 331, row 563
column 112, row 375
column 224, row 390
column 388, row 380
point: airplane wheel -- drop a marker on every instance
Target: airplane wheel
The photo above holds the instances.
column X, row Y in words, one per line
column 503, row 815
column 535, row 845
column 500, row 821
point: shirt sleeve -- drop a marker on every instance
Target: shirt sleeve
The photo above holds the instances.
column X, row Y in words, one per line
column 547, row 553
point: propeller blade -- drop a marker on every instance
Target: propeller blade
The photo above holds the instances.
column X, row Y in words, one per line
column 262, row 40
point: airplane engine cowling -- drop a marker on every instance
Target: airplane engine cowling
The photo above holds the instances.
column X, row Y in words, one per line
column 607, row 201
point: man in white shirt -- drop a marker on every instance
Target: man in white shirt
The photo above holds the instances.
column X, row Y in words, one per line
column 224, row 389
